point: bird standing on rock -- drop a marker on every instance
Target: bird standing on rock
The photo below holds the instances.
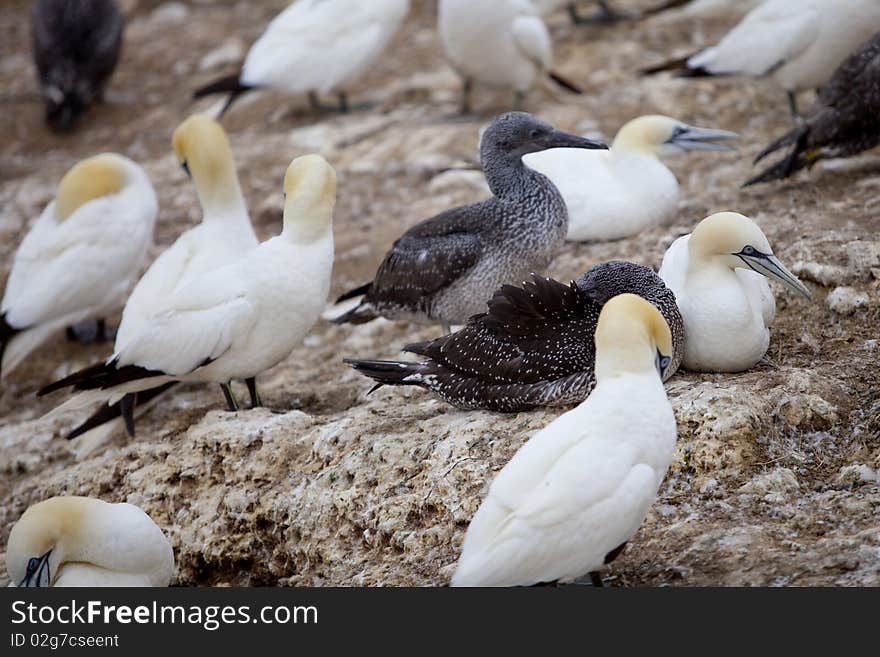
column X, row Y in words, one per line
column 446, row 268
column 80, row 258
column 76, row 47
column 236, row 321
column 844, row 121
column 719, row 276
column 578, row 490
column 499, row 43
column 316, row 47
column 533, row 347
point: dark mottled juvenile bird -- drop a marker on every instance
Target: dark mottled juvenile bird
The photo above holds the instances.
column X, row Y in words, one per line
column 844, row 121
column 444, row 268
column 76, row 47
column 534, row 347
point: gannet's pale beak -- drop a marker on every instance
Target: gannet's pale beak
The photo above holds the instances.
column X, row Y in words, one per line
column 768, row 265
column 689, row 138
column 560, row 139
column 37, row 574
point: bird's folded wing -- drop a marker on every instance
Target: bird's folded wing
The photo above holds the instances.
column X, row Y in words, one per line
column 673, row 269
column 533, row 40
column 856, row 72
column 762, row 42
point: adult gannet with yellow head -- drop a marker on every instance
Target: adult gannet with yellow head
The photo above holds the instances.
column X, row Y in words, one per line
column 81, row 257
column 719, row 276
column 236, row 321
column 576, row 492
column 83, row 541
column 202, row 149
column 619, row 192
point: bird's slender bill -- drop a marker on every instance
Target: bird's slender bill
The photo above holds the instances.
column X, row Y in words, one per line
column 38, row 574
column 702, row 139
column 769, row 266
column 560, row 139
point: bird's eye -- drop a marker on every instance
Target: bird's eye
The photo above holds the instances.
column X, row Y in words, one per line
column 33, row 564
column 749, row 250
column 534, row 133
column 664, row 362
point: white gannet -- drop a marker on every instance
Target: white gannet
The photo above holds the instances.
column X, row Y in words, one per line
column 82, row 541
column 578, row 490
column 225, row 233
column 236, row 321
column 316, row 47
column 81, row 257
column 619, row 192
column 76, row 47
column 718, row 276
column 499, row 43
column 799, row 42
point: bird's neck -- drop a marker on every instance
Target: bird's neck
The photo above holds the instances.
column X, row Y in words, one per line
column 220, row 195
column 510, row 179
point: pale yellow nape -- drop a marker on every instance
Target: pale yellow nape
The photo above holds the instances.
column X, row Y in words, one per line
column 310, row 189
column 88, row 180
column 629, row 331
column 724, row 233
column 644, row 134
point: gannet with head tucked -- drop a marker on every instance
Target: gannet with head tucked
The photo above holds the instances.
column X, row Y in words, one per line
column 82, row 541
column 799, row 42
column 534, row 346
column 236, row 321
column 81, row 257
column 499, row 43
column 445, row 268
column 578, row 490
column 718, row 276
column 225, row 233
column 620, row 192
column 316, row 47
column 844, row 121
column 76, row 47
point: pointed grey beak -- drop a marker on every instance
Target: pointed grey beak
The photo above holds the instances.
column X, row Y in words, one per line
column 690, row 138
column 769, row 266
column 37, row 574
column 559, row 139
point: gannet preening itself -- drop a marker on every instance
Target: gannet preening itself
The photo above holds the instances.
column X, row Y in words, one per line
column 718, row 276
column 76, row 46
column 225, row 234
column 316, row 47
column 606, row 13
column 620, row 192
column 576, row 492
column 446, row 268
column 499, row 43
column 82, row 541
column 80, row 258
column 534, row 346
column 844, row 121
column 799, row 42
column 236, row 321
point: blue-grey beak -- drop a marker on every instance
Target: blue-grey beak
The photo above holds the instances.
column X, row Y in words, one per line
column 768, row 265
column 690, row 138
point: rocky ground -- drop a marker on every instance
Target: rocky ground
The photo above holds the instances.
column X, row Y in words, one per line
column 777, row 479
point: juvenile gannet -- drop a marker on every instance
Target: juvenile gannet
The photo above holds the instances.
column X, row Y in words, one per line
column 576, row 492
column 81, row 257
column 799, row 42
column 620, row 192
column 534, row 346
column 76, row 46
column 82, row 541
column 718, row 276
column 445, row 268
column 236, row 321
column 316, row 47
column 844, row 121
column 499, row 43
column 202, row 148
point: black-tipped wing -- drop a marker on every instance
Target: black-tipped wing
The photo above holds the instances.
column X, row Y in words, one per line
column 427, row 259
column 537, row 333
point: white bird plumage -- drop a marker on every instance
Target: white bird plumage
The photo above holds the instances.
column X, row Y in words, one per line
column 82, row 255
column 718, row 276
column 82, row 541
column 239, row 320
column 581, row 487
column 322, row 45
column 619, row 192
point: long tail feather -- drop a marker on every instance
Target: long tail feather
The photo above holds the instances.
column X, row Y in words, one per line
column 565, row 83
column 357, row 292
column 390, row 373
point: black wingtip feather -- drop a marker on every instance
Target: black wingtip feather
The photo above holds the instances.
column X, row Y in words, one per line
column 566, row 84
column 385, row 372
column 357, row 292
column 7, row 332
